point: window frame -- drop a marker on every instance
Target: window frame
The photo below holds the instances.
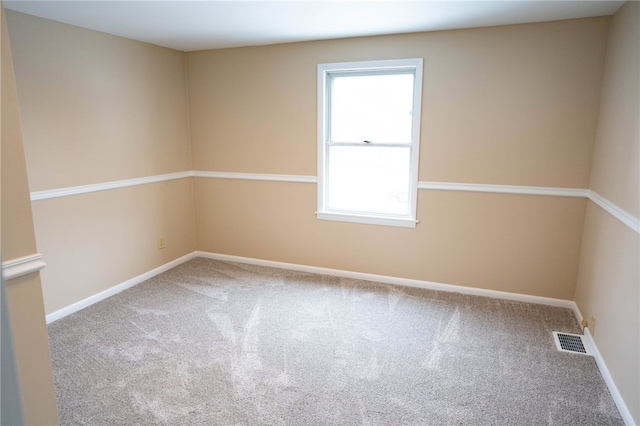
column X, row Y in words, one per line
column 325, row 72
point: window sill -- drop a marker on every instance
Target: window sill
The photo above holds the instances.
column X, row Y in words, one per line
column 368, row 219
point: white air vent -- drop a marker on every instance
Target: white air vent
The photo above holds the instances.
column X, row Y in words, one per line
column 573, row 343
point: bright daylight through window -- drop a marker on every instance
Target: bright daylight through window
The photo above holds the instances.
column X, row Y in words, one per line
column 368, row 141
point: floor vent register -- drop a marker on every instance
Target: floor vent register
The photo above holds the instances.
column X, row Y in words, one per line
column 573, row 343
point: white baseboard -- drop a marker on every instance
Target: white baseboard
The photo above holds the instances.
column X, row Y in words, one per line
column 117, row 289
column 617, row 397
column 578, row 314
column 608, row 379
column 429, row 285
column 604, row 371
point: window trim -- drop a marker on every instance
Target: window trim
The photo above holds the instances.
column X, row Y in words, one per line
column 358, row 68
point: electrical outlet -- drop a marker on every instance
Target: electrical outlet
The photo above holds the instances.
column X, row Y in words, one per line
column 160, row 243
column 592, row 326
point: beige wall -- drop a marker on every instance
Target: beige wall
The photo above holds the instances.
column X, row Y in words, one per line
column 616, row 165
column 24, row 294
column 495, row 241
column 98, row 108
column 609, row 276
column 94, row 241
column 508, row 105
column 513, row 105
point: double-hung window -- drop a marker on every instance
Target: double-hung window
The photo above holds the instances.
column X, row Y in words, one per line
column 368, row 141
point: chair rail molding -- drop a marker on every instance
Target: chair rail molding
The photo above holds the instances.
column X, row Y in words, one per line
column 104, row 186
column 15, row 268
column 616, row 211
column 256, row 176
column 504, row 189
column 622, row 215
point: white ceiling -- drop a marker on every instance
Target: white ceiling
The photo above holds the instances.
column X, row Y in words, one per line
column 197, row 25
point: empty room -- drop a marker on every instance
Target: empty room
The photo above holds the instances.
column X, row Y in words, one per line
column 320, row 212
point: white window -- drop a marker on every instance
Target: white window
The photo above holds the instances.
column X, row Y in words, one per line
column 368, row 141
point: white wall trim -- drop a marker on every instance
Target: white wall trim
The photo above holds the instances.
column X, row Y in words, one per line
column 617, row 397
column 619, row 213
column 257, row 176
column 608, row 379
column 429, row 285
column 392, row 280
column 83, row 189
column 368, row 219
column 578, row 314
column 117, row 289
column 15, row 268
column 504, row 189
column 606, row 375
column 622, row 215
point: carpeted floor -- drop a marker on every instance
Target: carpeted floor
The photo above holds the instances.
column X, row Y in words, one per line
column 219, row 343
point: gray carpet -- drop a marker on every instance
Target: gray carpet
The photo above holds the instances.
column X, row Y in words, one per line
column 219, row 343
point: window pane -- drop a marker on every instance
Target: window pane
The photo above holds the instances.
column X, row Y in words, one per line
column 376, row 108
column 369, row 179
